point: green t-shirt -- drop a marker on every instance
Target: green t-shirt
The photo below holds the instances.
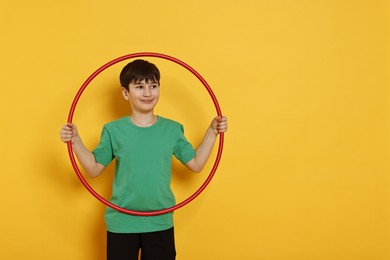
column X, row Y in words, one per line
column 142, row 172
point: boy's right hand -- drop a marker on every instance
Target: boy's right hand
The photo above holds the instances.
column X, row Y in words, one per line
column 68, row 133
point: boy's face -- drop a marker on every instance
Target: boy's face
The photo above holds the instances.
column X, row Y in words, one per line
column 142, row 96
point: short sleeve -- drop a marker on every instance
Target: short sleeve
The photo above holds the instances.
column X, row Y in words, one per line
column 183, row 150
column 103, row 152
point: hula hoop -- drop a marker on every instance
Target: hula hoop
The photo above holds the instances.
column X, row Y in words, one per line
column 73, row 160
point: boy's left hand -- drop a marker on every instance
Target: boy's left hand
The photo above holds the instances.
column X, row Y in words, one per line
column 219, row 124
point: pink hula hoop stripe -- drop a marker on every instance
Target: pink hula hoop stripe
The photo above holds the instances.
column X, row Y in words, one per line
column 73, row 160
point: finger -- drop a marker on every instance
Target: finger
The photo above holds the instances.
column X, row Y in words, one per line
column 220, row 119
column 222, row 124
column 65, row 137
column 68, row 126
column 66, row 131
column 222, row 127
column 71, row 125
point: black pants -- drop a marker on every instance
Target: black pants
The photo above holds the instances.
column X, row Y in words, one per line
column 158, row 245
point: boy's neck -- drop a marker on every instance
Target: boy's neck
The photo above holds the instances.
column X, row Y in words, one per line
column 143, row 120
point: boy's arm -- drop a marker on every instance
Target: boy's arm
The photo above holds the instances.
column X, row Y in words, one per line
column 218, row 125
column 84, row 156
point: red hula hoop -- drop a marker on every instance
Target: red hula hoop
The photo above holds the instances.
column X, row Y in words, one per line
column 73, row 160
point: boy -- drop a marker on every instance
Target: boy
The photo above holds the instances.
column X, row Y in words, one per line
column 143, row 144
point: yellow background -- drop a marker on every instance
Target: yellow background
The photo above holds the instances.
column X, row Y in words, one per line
column 305, row 85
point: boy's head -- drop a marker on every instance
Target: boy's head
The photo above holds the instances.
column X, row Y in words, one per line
column 139, row 70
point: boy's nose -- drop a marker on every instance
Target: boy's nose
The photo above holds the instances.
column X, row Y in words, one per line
column 146, row 92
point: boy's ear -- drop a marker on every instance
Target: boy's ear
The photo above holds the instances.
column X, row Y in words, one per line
column 125, row 93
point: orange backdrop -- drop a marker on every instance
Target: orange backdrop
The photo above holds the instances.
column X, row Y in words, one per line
column 305, row 169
